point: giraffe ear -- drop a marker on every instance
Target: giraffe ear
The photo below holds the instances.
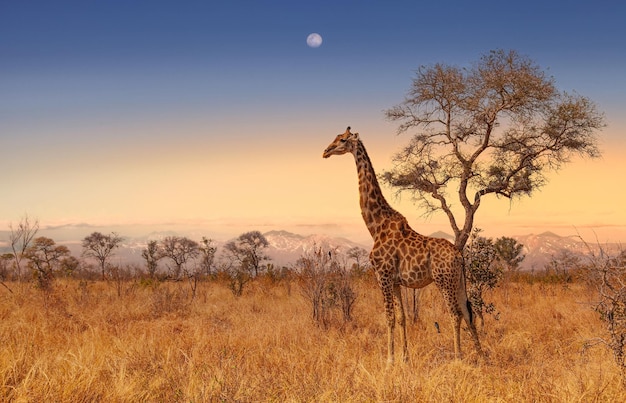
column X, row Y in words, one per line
column 355, row 136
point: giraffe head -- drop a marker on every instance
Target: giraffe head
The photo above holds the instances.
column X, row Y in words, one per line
column 343, row 143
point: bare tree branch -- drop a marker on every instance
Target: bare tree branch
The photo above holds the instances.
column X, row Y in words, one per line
column 20, row 239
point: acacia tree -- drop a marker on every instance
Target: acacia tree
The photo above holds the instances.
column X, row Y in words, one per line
column 243, row 258
column 45, row 259
column 101, row 247
column 361, row 258
column 509, row 256
column 248, row 251
column 495, row 128
column 207, row 251
column 509, row 253
column 180, row 250
column 152, row 256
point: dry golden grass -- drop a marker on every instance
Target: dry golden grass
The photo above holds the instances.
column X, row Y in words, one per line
column 84, row 343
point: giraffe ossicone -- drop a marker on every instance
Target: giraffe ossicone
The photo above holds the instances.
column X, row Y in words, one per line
column 402, row 257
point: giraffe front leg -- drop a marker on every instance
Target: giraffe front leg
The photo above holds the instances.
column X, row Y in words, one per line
column 390, row 345
column 391, row 321
column 401, row 318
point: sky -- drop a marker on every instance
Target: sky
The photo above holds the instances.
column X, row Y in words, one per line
column 211, row 117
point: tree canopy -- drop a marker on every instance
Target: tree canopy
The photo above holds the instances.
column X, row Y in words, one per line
column 45, row 257
column 495, row 128
column 101, row 247
column 180, row 250
column 249, row 251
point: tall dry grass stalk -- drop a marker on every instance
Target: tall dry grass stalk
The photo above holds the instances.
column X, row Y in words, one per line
column 85, row 343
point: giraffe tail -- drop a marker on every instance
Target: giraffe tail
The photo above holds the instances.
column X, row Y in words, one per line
column 469, row 309
column 468, row 303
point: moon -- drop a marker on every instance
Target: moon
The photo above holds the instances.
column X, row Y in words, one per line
column 314, row 40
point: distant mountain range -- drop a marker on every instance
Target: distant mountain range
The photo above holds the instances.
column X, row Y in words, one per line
column 539, row 249
column 286, row 247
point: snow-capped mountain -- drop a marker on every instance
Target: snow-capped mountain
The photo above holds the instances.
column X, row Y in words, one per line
column 285, row 247
column 541, row 248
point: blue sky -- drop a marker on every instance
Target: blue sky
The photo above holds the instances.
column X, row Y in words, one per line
column 161, row 112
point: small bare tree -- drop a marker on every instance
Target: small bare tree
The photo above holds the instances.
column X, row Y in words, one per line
column 361, row 259
column 20, row 238
column 118, row 276
column 152, row 256
column 207, row 253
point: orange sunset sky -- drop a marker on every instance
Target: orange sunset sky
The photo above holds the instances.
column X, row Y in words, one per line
column 211, row 118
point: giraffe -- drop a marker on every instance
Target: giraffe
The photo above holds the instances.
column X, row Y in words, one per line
column 402, row 257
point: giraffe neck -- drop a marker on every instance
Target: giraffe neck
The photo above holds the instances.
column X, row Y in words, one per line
column 374, row 206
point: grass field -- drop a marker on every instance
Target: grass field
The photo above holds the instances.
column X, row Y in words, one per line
column 85, row 343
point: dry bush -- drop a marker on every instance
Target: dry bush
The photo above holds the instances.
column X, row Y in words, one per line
column 91, row 345
column 170, row 299
column 327, row 284
column 608, row 275
column 482, row 274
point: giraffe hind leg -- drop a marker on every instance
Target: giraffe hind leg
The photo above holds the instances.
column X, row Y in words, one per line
column 456, row 322
column 474, row 333
column 456, row 314
column 455, row 310
column 468, row 315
